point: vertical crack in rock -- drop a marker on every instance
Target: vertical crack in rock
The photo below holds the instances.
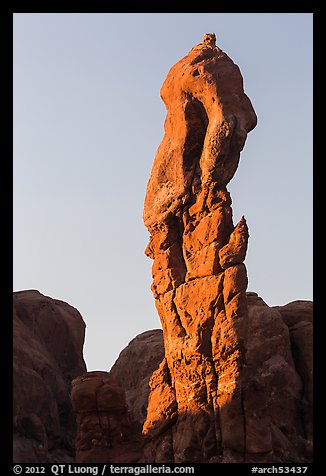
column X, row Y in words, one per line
column 199, row 279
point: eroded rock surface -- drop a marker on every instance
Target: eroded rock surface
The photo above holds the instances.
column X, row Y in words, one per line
column 227, row 389
column 199, row 279
column 135, row 366
column 277, row 383
column 47, row 356
column 104, row 430
column 298, row 316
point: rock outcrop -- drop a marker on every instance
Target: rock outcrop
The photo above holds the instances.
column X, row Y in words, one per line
column 47, row 355
column 105, row 432
column 111, row 407
column 277, row 390
column 298, row 316
column 133, row 369
column 227, row 389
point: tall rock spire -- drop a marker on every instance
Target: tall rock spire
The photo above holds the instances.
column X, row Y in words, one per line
column 235, row 383
column 195, row 410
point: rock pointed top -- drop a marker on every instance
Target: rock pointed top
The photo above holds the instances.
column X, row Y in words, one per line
column 209, row 39
column 208, row 119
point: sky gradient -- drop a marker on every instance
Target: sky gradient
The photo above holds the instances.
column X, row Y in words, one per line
column 88, row 119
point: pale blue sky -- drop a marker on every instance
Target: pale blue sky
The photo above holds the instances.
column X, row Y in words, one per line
column 88, row 119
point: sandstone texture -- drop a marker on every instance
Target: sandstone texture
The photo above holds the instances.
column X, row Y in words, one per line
column 227, row 389
column 47, row 356
column 278, row 387
column 104, row 429
column 133, row 369
column 298, row 316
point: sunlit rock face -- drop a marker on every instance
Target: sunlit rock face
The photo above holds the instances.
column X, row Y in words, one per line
column 218, row 393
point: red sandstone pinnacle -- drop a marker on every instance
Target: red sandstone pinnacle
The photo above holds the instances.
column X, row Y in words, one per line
column 199, row 279
column 201, row 406
column 208, row 118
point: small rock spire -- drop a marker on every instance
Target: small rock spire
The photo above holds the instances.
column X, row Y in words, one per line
column 209, row 39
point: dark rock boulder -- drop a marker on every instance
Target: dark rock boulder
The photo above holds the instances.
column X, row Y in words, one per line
column 47, row 355
column 134, row 367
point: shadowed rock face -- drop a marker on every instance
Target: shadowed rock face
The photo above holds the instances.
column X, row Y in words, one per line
column 133, row 369
column 277, row 386
column 47, row 355
column 111, row 407
column 104, row 430
column 208, row 397
column 298, row 316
